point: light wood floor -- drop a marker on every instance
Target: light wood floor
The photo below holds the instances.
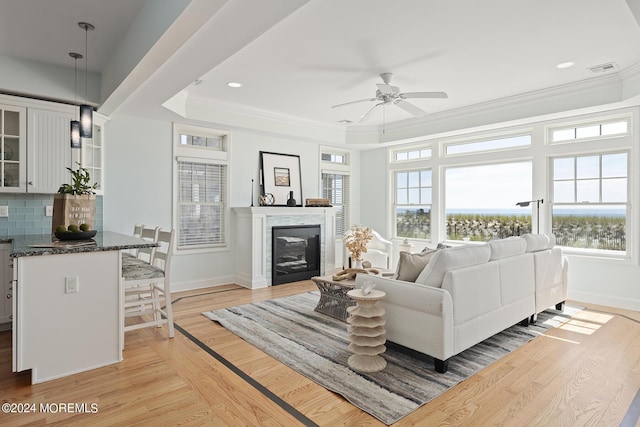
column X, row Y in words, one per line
column 586, row 372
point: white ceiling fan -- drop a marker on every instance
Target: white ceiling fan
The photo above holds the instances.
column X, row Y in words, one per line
column 387, row 94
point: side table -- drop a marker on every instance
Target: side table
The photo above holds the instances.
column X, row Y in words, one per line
column 366, row 331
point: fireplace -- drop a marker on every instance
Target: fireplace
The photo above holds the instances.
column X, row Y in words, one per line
column 295, row 253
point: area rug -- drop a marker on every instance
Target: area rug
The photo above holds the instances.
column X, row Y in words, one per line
column 315, row 345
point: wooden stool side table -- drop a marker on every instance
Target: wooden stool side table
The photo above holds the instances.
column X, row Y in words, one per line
column 366, row 331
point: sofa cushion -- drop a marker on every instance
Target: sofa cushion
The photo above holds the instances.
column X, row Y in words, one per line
column 451, row 259
column 536, row 242
column 410, row 265
column 552, row 241
column 504, row 248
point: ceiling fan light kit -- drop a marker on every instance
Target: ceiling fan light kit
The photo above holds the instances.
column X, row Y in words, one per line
column 388, row 94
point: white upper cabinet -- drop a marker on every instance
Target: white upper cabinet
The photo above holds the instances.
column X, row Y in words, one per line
column 49, row 150
column 12, row 148
column 35, row 146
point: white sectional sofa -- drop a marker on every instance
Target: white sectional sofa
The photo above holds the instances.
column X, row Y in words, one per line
column 468, row 293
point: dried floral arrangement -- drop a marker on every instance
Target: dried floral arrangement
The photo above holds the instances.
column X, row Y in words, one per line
column 356, row 239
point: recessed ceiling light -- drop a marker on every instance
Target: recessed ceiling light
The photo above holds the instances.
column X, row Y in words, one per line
column 234, row 84
column 196, row 82
column 344, row 121
column 565, row 64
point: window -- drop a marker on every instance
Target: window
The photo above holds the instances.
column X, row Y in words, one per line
column 481, row 201
column 201, row 141
column 590, row 195
column 413, row 204
column 200, row 196
column 488, row 145
column 604, row 129
column 334, row 158
column 412, row 154
column 335, row 187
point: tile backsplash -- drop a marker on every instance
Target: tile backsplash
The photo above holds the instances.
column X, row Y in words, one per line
column 27, row 214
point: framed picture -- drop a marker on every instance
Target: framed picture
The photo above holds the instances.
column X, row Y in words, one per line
column 279, row 175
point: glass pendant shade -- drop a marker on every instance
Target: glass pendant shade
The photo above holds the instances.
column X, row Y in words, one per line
column 76, row 142
column 86, row 121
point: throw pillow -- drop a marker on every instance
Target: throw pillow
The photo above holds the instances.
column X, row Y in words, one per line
column 504, row 248
column 536, row 242
column 450, row 259
column 410, row 265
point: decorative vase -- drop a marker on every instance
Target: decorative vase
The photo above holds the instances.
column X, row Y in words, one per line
column 357, row 263
column 291, row 201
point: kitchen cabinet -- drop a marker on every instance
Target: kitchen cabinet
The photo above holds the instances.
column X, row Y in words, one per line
column 6, row 278
column 67, row 312
column 35, row 146
column 92, row 153
column 48, row 149
column 12, row 148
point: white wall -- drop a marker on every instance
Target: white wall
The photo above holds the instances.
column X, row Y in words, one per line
column 138, row 187
column 24, row 77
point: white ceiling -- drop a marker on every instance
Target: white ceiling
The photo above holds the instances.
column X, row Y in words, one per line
column 328, row 52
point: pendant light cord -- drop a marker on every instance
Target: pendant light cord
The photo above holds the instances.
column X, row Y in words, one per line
column 86, row 62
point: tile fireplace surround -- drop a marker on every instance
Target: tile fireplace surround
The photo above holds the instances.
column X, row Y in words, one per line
column 253, row 239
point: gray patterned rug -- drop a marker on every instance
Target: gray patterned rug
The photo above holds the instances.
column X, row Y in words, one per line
column 315, row 345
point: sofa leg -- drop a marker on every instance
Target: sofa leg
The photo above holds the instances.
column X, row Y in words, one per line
column 441, row 365
column 525, row 321
column 533, row 319
column 560, row 306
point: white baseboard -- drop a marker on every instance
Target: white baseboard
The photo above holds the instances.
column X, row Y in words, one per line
column 626, row 303
column 201, row 284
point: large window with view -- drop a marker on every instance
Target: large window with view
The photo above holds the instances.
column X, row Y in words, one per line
column 481, row 201
column 413, row 204
column 590, row 200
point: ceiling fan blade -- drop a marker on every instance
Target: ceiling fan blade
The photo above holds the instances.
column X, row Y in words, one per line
column 423, row 95
column 353, row 102
column 385, row 88
column 410, row 108
column 366, row 115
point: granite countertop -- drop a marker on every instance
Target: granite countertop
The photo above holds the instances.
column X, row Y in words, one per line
column 103, row 241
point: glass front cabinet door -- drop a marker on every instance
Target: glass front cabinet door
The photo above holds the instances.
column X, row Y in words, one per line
column 12, row 148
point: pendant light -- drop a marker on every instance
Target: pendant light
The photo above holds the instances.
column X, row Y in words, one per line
column 86, row 111
column 76, row 142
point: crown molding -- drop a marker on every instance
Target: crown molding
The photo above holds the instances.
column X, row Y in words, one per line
column 593, row 92
column 608, row 91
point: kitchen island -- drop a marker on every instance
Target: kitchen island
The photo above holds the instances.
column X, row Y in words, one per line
column 66, row 304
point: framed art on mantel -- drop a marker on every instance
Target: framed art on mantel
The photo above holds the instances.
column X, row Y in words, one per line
column 280, row 175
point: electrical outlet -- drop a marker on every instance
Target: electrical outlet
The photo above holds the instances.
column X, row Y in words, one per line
column 48, row 210
column 71, row 285
column 4, row 211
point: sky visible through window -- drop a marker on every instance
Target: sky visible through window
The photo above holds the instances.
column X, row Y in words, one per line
column 495, row 187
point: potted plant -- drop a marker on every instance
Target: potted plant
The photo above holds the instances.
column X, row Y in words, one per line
column 75, row 204
column 356, row 239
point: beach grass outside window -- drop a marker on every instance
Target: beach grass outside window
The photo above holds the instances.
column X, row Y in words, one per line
column 480, row 201
column 335, row 187
column 413, row 193
column 590, row 201
column 200, row 188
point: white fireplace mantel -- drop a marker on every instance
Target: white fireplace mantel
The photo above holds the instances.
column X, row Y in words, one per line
column 253, row 239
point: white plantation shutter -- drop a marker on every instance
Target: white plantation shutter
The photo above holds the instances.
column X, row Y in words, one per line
column 335, row 187
column 202, row 203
